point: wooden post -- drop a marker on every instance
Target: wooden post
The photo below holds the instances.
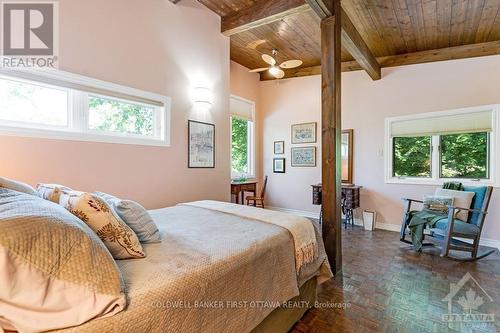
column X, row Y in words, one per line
column 331, row 135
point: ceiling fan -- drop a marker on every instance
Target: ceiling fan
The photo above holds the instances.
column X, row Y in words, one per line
column 274, row 70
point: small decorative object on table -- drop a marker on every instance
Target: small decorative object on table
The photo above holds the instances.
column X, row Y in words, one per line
column 279, row 165
column 304, row 157
column 304, row 133
column 279, row 147
column 201, row 148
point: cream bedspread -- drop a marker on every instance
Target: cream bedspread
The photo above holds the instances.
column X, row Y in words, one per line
column 212, row 272
column 301, row 228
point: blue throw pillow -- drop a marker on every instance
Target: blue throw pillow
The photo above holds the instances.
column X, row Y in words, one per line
column 477, row 202
column 135, row 216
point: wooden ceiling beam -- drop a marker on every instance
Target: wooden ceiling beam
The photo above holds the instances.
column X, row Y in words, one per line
column 260, row 13
column 449, row 53
column 351, row 39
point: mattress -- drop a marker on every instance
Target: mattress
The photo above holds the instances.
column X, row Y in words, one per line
column 212, row 272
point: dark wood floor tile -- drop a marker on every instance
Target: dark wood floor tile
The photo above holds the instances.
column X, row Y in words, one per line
column 390, row 288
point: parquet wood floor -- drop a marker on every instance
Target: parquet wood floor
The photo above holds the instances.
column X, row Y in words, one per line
column 390, row 288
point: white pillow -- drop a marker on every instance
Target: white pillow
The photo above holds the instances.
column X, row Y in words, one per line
column 460, row 199
column 17, row 186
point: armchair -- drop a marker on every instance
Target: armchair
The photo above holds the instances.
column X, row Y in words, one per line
column 447, row 230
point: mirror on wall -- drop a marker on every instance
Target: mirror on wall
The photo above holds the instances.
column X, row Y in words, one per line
column 347, row 155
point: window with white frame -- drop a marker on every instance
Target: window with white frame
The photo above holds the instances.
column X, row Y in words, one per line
column 55, row 104
column 242, row 138
column 436, row 147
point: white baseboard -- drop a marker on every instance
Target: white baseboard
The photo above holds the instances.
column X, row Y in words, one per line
column 382, row 226
column 304, row 213
column 387, row 226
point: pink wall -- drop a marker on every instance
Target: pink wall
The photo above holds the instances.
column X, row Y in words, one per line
column 246, row 85
column 152, row 45
column 365, row 105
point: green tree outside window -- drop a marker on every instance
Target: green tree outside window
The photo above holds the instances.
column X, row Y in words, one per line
column 412, row 157
column 464, row 156
column 239, row 145
column 114, row 116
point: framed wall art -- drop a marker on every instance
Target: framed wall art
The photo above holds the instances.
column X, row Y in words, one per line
column 201, row 146
column 304, row 157
column 279, row 165
column 279, row 147
column 304, row 133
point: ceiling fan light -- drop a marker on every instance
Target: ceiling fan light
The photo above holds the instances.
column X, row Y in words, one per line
column 274, row 70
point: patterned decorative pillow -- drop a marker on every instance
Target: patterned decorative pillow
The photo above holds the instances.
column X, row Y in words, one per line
column 437, row 203
column 16, row 186
column 51, row 192
column 54, row 270
column 461, row 199
column 120, row 240
column 136, row 217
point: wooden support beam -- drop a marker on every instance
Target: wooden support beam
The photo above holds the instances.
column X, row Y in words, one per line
column 331, row 33
column 351, row 39
column 260, row 13
column 449, row 53
column 356, row 46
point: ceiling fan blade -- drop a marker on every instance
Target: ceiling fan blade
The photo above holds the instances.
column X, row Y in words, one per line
column 291, row 64
column 280, row 74
column 270, row 60
column 257, row 70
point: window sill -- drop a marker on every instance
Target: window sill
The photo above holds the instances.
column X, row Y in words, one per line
column 78, row 136
column 439, row 182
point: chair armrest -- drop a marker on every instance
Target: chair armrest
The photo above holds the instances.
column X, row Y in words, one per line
column 412, row 200
column 468, row 209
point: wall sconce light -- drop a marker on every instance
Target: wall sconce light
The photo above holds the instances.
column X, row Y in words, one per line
column 202, row 98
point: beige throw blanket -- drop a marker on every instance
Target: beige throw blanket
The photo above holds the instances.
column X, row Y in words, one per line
column 301, row 228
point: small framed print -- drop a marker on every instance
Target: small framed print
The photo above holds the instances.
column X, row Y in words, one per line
column 201, row 147
column 279, row 147
column 304, row 157
column 279, row 165
column 304, row 133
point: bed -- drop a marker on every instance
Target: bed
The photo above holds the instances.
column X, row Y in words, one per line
column 214, row 272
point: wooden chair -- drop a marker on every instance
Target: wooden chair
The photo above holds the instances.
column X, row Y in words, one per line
column 447, row 230
column 258, row 201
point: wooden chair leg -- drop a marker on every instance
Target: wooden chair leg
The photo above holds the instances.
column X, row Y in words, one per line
column 476, row 247
column 406, row 214
column 447, row 240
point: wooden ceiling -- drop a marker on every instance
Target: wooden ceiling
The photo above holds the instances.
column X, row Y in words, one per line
column 396, row 32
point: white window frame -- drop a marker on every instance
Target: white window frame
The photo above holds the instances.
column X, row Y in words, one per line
column 435, row 179
column 78, row 126
column 251, row 140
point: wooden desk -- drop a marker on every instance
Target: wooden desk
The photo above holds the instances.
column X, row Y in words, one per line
column 239, row 188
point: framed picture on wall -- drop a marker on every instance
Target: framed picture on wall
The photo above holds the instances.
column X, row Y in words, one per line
column 279, row 147
column 201, row 146
column 304, row 157
column 279, row 165
column 304, row 133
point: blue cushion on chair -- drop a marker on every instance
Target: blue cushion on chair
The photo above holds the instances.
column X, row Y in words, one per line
column 477, row 202
column 459, row 226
